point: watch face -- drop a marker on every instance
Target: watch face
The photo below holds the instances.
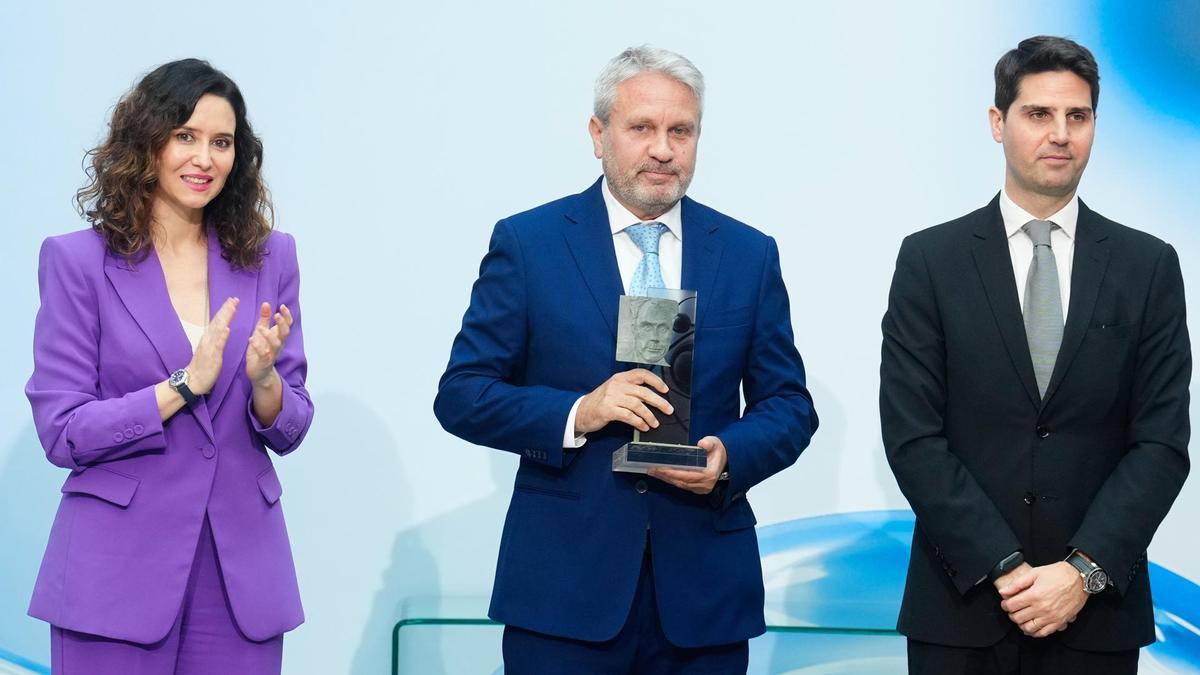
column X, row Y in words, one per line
column 178, row 377
column 1096, row 581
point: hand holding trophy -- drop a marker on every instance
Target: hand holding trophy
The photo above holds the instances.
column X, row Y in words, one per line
column 658, row 332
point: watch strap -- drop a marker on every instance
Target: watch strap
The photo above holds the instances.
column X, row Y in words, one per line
column 1008, row 564
column 188, row 396
column 1079, row 562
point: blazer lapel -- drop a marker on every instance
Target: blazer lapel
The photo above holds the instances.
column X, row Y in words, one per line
column 701, row 255
column 996, row 272
column 1087, row 272
column 226, row 282
column 589, row 238
column 143, row 290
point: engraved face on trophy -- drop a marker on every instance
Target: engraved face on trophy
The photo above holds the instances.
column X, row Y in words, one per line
column 652, row 330
column 644, row 330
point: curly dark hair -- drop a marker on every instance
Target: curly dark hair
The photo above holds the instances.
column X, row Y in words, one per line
column 123, row 170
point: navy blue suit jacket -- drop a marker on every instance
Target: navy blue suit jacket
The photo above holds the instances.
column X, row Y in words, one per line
column 540, row 332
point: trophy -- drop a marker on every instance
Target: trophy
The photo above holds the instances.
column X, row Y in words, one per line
column 658, row 332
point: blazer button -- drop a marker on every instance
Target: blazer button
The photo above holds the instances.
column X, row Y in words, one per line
column 1042, row 431
column 128, row 433
column 1030, row 498
column 138, row 429
column 118, row 437
column 641, row 487
column 208, row 451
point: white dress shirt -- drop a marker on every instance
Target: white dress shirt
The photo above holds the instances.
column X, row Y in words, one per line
column 1020, row 246
column 670, row 260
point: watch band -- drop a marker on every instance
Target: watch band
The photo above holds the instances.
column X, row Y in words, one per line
column 1010, row 563
column 188, row 396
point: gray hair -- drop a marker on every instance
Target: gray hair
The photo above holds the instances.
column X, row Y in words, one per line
column 637, row 60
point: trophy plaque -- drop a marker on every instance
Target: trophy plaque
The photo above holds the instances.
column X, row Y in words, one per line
column 658, row 332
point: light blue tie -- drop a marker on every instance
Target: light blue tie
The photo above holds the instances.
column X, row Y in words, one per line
column 649, row 272
column 1043, row 304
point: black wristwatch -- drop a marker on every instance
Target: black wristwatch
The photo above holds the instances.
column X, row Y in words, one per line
column 1095, row 579
column 179, row 382
column 1007, row 565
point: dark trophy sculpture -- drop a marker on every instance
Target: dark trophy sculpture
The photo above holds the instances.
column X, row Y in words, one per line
column 658, row 332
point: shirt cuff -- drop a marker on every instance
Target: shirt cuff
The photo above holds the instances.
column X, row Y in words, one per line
column 572, row 441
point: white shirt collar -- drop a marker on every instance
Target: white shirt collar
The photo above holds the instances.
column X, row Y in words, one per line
column 620, row 217
column 1015, row 217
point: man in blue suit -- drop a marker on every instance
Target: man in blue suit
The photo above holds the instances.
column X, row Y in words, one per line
column 614, row 572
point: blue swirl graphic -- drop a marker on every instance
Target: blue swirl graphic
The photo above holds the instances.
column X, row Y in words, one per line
column 1155, row 46
column 846, row 571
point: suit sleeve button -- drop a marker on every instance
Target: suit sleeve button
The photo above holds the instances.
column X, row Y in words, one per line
column 118, row 437
column 138, row 429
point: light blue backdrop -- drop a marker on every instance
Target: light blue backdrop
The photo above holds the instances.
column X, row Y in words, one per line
column 398, row 133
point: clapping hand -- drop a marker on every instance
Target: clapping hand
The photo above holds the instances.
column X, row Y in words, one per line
column 206, row 361
column 266, row 342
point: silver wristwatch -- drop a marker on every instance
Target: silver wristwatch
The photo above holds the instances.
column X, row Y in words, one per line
column 1095, row 579
column 179, row 382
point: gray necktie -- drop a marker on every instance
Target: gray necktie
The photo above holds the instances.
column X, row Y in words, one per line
column 1043, row 304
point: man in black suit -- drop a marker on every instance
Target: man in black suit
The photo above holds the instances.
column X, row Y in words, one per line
column 1039, row 448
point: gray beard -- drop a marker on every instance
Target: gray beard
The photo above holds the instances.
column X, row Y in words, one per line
column 638, row 197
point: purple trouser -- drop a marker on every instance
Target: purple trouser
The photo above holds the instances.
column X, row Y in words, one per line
column 205, row 640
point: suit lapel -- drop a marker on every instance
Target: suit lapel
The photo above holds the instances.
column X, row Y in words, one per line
column 226, row 282
column 994, row 263
column 1087, row 272
column 143, row 290
column 589, row 238
column 701, row 255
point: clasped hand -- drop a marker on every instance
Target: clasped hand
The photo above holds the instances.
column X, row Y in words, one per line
column 262, row 350
column 1042, row 600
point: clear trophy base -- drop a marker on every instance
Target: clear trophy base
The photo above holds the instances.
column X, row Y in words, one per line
column 640, row 457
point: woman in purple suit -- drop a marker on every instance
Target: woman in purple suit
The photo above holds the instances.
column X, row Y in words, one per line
column 167, row 358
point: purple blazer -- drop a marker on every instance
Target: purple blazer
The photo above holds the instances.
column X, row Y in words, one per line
column 123, row 540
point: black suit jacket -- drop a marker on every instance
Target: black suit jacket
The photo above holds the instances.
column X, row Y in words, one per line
column 989, row 467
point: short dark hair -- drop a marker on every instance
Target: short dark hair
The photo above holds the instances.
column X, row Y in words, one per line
column 1041, row 54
